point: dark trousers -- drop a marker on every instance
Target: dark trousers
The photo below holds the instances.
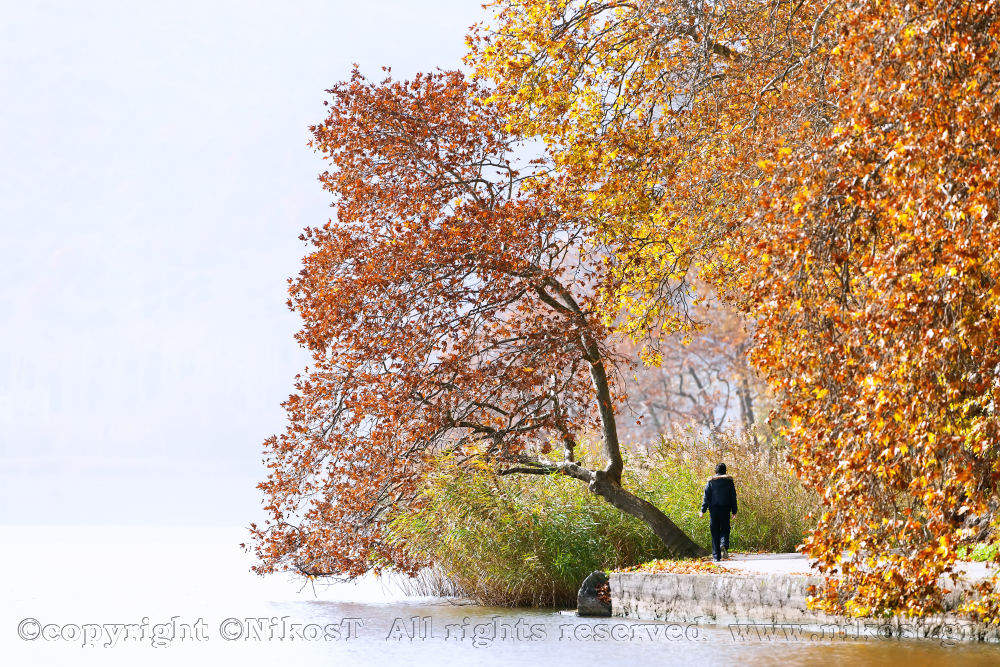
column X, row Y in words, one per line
column 719, row 525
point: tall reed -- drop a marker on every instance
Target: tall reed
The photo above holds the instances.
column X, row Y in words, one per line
column 773, row 505
column 530, row 540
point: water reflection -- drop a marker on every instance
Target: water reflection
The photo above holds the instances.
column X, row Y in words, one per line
column 170, row 583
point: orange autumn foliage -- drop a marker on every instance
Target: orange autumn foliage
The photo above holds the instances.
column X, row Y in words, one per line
column 830, row 168
column 875, row 282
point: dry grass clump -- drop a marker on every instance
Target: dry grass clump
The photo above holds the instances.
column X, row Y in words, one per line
column 530, row 541
column 773, row 504
column 516, row 540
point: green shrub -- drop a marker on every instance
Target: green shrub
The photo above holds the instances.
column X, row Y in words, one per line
column 982, row 552
column 530, row 540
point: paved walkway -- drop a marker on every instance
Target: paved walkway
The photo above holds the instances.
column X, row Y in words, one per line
column 799, row 564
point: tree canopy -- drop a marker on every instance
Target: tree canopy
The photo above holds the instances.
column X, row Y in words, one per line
column 449, row 309
column 828, row 170
column 659, row 112
column 831, row 170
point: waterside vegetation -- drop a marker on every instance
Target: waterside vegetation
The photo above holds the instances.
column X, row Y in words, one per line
column 517, row 540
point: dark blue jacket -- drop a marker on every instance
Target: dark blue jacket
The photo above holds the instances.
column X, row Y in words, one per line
column 720, row 492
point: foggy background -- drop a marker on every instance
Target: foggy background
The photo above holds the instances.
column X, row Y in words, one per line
column 154, row 178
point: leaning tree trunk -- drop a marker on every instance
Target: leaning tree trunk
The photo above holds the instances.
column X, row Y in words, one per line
column 675, row 539
column 607, row 483
column 602, row 484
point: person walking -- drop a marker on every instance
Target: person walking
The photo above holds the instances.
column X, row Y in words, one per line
column 720, row 501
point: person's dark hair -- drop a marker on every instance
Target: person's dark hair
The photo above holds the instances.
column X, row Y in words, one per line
column 720, row 469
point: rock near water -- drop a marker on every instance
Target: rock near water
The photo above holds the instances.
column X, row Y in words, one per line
column 594, row 598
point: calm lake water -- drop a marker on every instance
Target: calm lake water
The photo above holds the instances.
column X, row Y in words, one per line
column 77, row 591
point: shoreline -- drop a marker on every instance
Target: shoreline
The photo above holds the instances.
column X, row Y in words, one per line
column 765, row 596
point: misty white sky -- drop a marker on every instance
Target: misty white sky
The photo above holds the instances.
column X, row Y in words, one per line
column 154, row 178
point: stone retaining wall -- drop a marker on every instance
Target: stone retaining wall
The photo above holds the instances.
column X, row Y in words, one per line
column 761, row 600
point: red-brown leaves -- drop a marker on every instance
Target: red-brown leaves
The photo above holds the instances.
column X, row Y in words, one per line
column 447, row 308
